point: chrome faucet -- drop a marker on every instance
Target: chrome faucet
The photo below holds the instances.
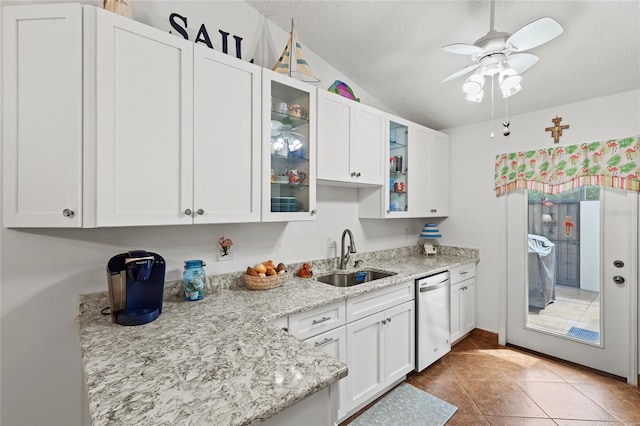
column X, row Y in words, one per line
column 344, row 254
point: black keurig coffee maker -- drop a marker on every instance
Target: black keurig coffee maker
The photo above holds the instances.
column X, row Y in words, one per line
column 136, row 287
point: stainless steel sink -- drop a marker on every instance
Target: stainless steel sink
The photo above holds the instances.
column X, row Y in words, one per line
column 342, row 279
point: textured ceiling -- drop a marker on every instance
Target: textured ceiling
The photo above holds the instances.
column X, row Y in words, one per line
column 392, row 50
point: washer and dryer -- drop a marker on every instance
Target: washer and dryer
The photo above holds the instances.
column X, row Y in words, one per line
column 432, row 319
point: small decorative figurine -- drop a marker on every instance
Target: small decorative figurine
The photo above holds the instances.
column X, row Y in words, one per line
column 224, row 248
column 305, row 271
column 568, row 226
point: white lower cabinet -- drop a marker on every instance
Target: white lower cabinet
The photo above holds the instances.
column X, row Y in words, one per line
column 380, row 351
column 323, row 328
column 463, row 300
column 334, row 343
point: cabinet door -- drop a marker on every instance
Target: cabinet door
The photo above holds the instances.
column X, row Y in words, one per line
column 367, row 147
column 400, row 182
column 144, row 124
column 438, row 175
column 419, row 173
column 456, row 326
column 399, row 341
column 468, row 306
column 334, row 343
column 42, row 116
column 335, row 133
column 288, row 149
column 226, row 149
column 365, row 359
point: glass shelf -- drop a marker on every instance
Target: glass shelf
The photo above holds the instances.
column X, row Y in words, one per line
column 398, row 174
column 289, row 119
column 299, row 186
column 395, row 145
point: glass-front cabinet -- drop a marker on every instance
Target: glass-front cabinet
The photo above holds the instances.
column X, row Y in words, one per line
column 402, row 186
column 398, row 184
column 288, row 151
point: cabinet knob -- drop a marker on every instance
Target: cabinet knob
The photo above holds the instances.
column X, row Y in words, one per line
column 200, row 212
column 358, row 174
column 388, row 211
column 388, row 319
column 618, row 279
column 68, row 213
column 188, row 212
column 312, row 212
column 353, row 174
column 384, row 322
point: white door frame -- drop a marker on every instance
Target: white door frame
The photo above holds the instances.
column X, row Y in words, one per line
column 516, row 228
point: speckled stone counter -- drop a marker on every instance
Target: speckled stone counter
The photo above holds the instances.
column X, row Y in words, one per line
column 218, row 361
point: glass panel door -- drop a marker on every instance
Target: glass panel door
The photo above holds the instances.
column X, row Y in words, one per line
column 289, row 149
column 398, row 161
column 571, row 272
column 563, row 268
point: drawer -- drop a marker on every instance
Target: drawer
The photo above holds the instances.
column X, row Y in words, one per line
column 310, row 323
column 463, row 272
column 371, row 303
column 332, row 342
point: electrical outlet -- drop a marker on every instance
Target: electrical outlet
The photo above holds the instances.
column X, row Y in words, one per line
column 331, row 241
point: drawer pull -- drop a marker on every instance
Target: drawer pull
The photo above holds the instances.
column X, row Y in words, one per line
column 321, row 320
column 324, row 342
column 464, row 272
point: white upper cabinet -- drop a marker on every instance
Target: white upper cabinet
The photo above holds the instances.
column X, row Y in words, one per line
column 417, row 174
column 288, row 149
column 144, row 122
column 226, row 159
column 438, row 189
column 42, row 135
column 100, row 118
column 350, row 141
column 368, row 147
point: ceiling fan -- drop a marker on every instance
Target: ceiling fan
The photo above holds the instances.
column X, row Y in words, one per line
column 500, row 53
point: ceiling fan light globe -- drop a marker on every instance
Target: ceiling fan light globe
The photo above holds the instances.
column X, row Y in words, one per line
column 475, row 98
column 473, row 85
column 510, row 82
column 511, row 91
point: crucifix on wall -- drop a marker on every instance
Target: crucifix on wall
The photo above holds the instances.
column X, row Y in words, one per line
column 556, row 130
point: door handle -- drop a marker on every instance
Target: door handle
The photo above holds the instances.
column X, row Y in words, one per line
column 618, row 279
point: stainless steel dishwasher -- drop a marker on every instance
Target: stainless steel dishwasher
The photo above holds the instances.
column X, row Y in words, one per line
column 432, row 319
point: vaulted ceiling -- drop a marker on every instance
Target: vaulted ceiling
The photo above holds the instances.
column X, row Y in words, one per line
column 392, row 50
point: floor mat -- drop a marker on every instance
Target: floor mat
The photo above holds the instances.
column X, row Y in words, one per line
column 581, row 333
column 407, row 405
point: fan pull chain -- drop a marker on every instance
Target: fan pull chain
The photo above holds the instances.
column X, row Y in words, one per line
column 492, row 135
column 506, row 123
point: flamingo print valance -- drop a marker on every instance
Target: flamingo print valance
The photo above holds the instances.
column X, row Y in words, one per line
column 613, row 163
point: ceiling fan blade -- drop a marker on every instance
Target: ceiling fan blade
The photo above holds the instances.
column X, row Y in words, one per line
column 460, row 73
column 462, row 49
column 534, row 34
column 522, row 61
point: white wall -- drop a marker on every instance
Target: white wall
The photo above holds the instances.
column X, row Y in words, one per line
column 44, row 270
column 478, row 218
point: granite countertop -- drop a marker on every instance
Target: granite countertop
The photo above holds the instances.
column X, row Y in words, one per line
column 218, row 360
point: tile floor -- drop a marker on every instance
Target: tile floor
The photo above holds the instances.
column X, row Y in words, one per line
column 497, row 385
column 572, row 307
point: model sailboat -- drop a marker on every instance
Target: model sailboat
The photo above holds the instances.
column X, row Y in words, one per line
column 292, row 61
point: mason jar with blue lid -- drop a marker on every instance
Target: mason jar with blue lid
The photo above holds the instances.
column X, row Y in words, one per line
column 194, row 279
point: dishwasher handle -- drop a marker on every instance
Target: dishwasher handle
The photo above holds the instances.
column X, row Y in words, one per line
column 441, row 284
